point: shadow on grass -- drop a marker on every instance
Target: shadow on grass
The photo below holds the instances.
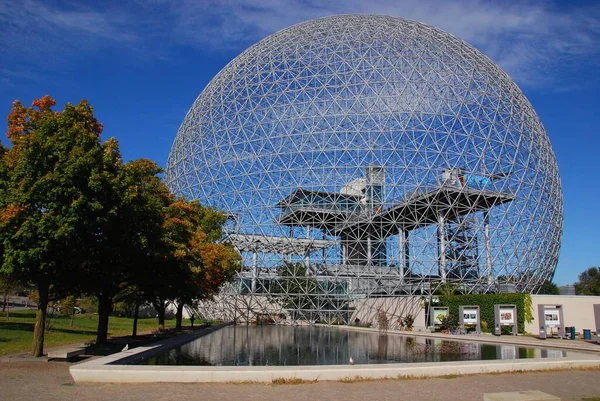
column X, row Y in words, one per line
column 21, row 314
column 16, row 326
column 72, row 331
column 29, row 327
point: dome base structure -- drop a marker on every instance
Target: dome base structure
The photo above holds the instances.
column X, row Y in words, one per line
column 362, row 158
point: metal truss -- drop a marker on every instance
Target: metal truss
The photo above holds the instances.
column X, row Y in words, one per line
column 363, row 157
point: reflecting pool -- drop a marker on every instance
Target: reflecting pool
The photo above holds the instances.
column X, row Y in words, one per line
column 292, row 346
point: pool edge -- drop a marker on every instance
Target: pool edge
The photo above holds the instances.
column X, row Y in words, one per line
column 193, row 374
column 106, row 371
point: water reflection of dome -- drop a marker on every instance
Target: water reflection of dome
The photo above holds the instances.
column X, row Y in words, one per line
column 293, row 346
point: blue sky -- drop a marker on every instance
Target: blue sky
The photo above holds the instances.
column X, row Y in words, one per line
column 142, row 63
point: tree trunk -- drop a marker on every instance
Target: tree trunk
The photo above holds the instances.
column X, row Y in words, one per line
column 40, row 321
column 5, row 307
column 161, row 319
column 179, row 315
column 136, row 313
column 160, row 309
column 104, row 306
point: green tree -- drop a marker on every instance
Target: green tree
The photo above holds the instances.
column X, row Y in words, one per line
column 48, row 198
column 8, row 283
column 549, row 288
column 447, row 289
column 8, row 286
column 67, row 308
column 298, row 291
column 589, row 282
column 125, row 233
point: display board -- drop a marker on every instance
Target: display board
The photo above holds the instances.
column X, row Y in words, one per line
column 505, row 315
column 597, row 319
column 436, row 314
column 469, row 315
column 551, row 317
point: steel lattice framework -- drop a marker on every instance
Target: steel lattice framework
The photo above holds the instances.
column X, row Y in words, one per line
column 364, row 156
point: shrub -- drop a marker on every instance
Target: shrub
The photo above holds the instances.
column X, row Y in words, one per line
column 408, row 321
column 90, row 304
column 449, row 322
column 382, row 321
column 486, row 304
column 358, row 323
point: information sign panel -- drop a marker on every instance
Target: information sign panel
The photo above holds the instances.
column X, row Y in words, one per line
column 470, row 316
column 552, row 317
column 439, row 315
column 507, row 317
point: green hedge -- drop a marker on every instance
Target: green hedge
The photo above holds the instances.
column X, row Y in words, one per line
column 486, row 304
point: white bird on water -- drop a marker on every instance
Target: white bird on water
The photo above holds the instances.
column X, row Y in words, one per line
column 351, row 361
column 125, row 348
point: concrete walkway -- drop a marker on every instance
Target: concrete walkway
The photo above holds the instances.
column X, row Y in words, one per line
column 526, row 341
column 51, row 381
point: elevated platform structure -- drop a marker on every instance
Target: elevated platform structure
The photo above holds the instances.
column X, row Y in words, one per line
column 331, row 212
column 274, row 244
column 256, row 243
column 356, row 282
column 362, row 224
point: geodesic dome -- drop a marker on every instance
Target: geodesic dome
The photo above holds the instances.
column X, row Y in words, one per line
column 364, row 156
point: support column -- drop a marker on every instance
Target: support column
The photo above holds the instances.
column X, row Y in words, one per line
column 307, row 252
column 402, row 252
column 442, row 247
column 344, row 249
column 254, row 270
column 307, row 260
column 369, row 250
column 324, row 248
column 288, row 257
column 488, row 247
column 407, row 252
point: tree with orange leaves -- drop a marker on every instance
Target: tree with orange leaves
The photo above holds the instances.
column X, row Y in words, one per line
column 47, row 197
column 7, row 283
column 195, row 264
column 210, row 264
column 74, row 218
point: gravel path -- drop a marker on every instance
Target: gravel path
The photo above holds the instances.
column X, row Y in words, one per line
column 51, row 381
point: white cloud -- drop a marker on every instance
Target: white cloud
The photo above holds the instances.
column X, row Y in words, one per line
column 536, row 43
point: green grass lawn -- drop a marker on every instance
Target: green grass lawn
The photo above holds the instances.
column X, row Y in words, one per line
column 16, row 333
